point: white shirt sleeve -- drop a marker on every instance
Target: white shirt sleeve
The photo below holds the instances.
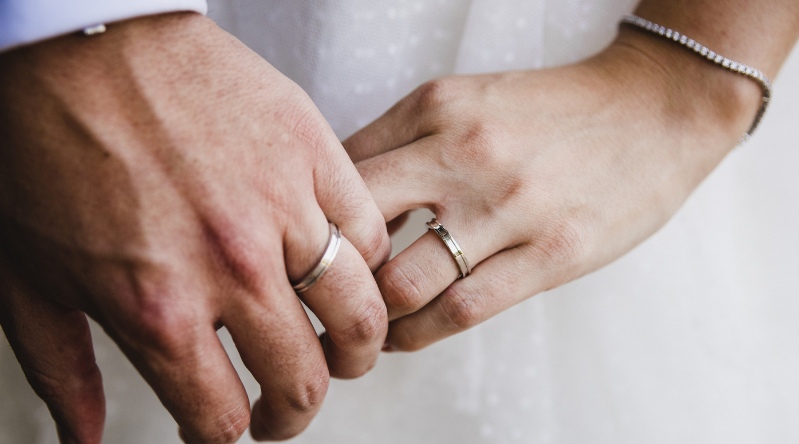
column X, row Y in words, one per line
column 28, row 21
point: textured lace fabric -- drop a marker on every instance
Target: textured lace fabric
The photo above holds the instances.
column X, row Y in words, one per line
column 690, row 338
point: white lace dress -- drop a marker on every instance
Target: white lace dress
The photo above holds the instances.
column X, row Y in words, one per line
column 691, row 338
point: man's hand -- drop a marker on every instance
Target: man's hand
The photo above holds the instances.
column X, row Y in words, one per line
column 166, row 181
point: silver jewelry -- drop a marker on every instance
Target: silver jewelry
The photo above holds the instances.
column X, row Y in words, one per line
column 718, row 59
column 94, row 29
column 314, row 275
column 454, row 248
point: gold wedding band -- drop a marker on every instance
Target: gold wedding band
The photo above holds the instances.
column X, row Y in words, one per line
column 333, row 244
column 454, row 248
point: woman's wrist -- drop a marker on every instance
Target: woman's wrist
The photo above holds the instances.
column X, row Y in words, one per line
column 695, row 96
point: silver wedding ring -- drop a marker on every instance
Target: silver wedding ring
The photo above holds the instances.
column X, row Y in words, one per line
column 327, row 260
column 454, row 248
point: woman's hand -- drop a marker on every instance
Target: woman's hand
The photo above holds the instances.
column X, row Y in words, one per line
column 541, row 176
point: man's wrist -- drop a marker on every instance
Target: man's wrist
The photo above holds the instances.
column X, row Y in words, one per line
column 24, row 22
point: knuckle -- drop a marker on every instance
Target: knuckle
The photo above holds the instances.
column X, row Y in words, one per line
column 48, row 388
column 401, row 287
column 65, row 385
column 482, row 142
column 308, row 396
column 369, row 236
column 404, row 339
column 480, row 146
column 161, row 326
column 561, row 244
column 77, row 387
column 285, row 412
column 370, row 323
column 462, row 309
column 228, row 427
column 376, row 243
column 303, row 120
column 232, row 251
column 432, row 95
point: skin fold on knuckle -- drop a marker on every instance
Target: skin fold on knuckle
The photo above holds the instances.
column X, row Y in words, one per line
column 481, row 162
column 284, row 412
column 74, row 398
column 462, row 308
column 481, row 144
column 300, row 117
column 375, row 244
column 433, row 95
column 233, row 252
column 59, row 388
column 400, row 286
column 364, row 226
column 371, row 321
column 404, row 335
column 367, row 229
column 561, row 247
column 305, row 397
column 159, row 327
column 226, row 427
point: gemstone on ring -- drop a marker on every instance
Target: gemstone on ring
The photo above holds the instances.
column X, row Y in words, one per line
column 452, row 245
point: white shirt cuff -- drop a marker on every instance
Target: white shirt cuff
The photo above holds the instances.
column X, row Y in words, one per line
column 28, row 21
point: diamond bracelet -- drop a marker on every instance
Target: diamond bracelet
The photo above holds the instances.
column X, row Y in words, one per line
column 718, row 59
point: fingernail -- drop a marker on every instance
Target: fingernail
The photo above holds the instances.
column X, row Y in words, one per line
column 388, row 348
